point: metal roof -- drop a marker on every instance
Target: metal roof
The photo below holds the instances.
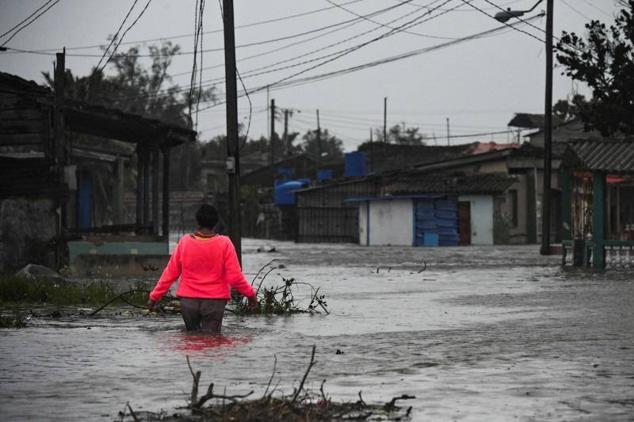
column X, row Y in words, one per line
column 610, row 156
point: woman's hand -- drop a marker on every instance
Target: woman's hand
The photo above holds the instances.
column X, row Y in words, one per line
column 151, row 305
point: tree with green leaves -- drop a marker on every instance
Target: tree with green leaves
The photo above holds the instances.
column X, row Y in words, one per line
column 604, row 60
column 401, row 135
column 326, row 147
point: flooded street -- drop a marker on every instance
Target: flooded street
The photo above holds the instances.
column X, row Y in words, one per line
column 484, row 333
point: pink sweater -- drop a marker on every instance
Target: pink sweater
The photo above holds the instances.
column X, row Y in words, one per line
column 206, row 266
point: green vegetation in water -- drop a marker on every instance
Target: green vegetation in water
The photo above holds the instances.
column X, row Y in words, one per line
column 280, row 300
column 20, row 290
column 15, row 320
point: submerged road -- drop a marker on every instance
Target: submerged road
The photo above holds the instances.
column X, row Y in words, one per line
column 484, row 333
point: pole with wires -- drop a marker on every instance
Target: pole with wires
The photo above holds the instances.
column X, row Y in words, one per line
column 548, row 131
column 233, row 147
column 385, row 119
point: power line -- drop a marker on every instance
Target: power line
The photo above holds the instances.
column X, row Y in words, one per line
column 24, row 26
column 116, row 34
column 126, row 31
column 349, row 23
column 387, row 26
column 367, row 65
column 507, row 24
column 215, row 31
column 26, row 19
column 577, row 11
column 254, row 72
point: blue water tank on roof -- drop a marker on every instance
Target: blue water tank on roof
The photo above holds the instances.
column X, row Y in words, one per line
column 355, row 164
column 285, row 191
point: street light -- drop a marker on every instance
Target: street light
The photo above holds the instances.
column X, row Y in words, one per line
column 548, row 116
column 508, row 13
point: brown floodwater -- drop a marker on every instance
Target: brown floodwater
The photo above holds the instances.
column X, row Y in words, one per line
column 484, row 333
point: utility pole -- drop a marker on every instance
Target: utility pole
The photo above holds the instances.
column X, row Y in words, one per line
column 318, row 140
column 385, row 119
column 233, row 150
column 548, row 131
column 268, row 111
column 448, row 133
column 272, row 140
column 59, row 154
column 286, row 145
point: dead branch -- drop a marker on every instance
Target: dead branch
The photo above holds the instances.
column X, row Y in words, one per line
column 262, row 268
column 102, row 307
column 321, row 390
column 392, row 403
column 132, row 412
column 361, row 401
column 195, row 382
column 310, row 365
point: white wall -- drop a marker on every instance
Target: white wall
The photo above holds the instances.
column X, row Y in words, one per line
column 363, row 223
column 481, row 218
column 391, row 222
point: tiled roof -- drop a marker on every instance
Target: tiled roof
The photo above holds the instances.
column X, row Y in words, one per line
column 612, row 156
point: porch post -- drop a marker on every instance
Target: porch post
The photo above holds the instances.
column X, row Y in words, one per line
column 156, row 177
column 565, row 179
column 166, row 192
column 139, row 186
column 598, row 220
column 146, row 187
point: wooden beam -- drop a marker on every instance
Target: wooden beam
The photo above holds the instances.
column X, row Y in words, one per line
column 146, row 185
column 166, row 193
column 139, row 186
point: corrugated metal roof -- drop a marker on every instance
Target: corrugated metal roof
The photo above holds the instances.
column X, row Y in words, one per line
column 611, row 156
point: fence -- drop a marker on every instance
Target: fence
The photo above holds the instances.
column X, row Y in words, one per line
column 619, row 254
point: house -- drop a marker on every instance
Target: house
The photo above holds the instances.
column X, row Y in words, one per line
column 598, row 203
column 55, row 155
column 435, row 210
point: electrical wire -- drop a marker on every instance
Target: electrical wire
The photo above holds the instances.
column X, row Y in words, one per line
column 367, row 65
column 116, row 34
column 505, row 23
column 577, row 11
column 215, row 31
column 26, row 19
column 125, row 33
column 24, row 26
column 352, row 12
column 254, row 72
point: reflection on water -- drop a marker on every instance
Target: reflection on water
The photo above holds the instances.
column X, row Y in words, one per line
column 470, row 342
column 201, row 342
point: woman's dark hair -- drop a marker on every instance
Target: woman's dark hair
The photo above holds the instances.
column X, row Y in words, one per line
column 207, row 216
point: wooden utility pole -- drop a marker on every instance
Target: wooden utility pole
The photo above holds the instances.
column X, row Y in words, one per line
column 286, row 145
column 272, row 140
column 385, row 119
column 548, row 132
column 233, row 149
column 448, row 133
column 58, row 153
column 318, row 140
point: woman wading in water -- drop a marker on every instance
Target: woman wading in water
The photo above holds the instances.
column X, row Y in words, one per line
column 208, row 267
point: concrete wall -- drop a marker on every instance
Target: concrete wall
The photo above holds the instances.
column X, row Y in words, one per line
column 391, row 222
column 481, row 218
column 28, row 227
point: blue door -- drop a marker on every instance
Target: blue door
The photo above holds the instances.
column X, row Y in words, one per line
column 84, row 201
column 436, row 222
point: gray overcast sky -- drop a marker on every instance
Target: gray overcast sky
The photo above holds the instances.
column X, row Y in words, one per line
column 478, row 84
